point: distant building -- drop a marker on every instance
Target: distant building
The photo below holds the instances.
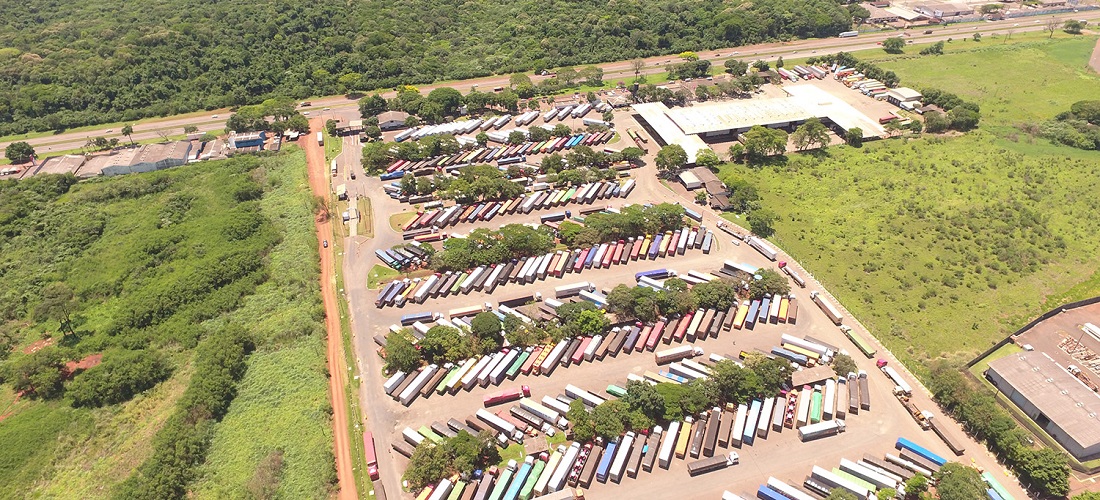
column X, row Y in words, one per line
column 901, row 95
column 392, row 120
column 878, row 15
column 941, row 10
column 1057, row 401
column 247, row 140
column 152, row 157
column 353, row 127
column 879, row 3
column 1052, row 3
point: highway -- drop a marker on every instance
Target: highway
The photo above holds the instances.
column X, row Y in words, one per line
column 214, row 121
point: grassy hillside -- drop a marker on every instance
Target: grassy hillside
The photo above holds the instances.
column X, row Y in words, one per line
column 137, row 252
column 942, row 246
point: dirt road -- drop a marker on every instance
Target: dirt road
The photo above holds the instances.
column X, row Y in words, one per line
column 1094, row 62
column 315, row 161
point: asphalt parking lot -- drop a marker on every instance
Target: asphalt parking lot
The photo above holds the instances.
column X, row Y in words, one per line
column 780, row 455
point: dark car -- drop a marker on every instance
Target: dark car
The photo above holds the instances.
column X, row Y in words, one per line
column 353, row 176
column 928, row 32
column 324, row 243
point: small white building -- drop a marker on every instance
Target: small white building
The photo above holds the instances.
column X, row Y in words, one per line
column 690, row 180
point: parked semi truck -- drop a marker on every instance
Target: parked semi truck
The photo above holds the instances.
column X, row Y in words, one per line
column 712, row 464
column 820, row 430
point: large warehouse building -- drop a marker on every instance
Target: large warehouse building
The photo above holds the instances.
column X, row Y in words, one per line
column 693, row 126
column 1056, row 400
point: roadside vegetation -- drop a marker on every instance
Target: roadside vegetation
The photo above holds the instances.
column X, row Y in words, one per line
column 166, row 276
column 142, row 60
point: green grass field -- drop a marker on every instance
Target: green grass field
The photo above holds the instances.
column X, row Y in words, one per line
column 942, row 246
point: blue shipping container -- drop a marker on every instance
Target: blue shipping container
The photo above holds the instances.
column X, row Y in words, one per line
column 766, row 493
column 919, row 450
column 605, row 462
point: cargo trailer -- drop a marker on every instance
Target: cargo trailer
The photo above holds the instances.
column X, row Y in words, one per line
column 668, row 445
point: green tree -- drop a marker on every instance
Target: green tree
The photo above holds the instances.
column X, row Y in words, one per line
column 843, row 364
column 715, row 294
column 859, row 13
column 772, row 372
column 632, row 153
column 671, row 157
column 887, row 494
column 735, row 151
column 482, row 139
column 58, row 304
column 427, row 465
column 893, row 45
column 538, row 134
column 1045, row 469
column 486, row 326
column 516, row 137
column 589, row 323
column 854, row 137
column 1073, row 27
column 935, row 122
column 448, row 99
column 128, row 131
column 561, row 130
column 443, row 343
column 19, row 152
column 122, row 375
column 779, row 62
column 761, row 65
column 840, row 494
column 761, row 220
column 812, row 134
column 608, row 418
column 372, row 105
column 330, row 127
column 743, row 196
column 584, row 426
column 761, row 142
column 689, row 56
column 644, row 398
column 1088, row 495
column 736, row 67
column 955, row 481
column 934, row 49
column 1086, row 110
column 989, row 8
column 770, row 283
column 401, row 354
column 701, row 197
column 733, row 384
column 188, row 129
column 592, row 75
column 916, row 486
column 38, row 375
column 963, row 119
column 707, row 158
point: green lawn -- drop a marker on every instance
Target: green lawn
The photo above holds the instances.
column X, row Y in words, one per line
column 1027, row 81
column 942, row 246
column 398, row 221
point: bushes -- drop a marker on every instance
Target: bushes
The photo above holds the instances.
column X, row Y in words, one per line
column 461, row 454
column 122, row 375
column 181, row 444
column 1043, row 468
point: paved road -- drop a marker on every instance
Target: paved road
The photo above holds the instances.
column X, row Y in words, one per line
column 615, row 71
column 315, row 160
column 872, row 432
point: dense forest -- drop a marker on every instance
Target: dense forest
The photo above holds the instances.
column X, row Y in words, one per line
column 65, row 64
column 165, row 280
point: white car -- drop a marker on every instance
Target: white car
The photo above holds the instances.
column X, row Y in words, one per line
column 305, row 113
column 215, row 116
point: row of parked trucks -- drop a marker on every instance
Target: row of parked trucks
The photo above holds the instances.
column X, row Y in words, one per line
column 486, row 154
column 404, row 256
column 536, row 360
column 541, row 197
column 525, row 270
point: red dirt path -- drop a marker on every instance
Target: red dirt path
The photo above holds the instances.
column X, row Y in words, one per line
column 1094, row 62
column 315, row 161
